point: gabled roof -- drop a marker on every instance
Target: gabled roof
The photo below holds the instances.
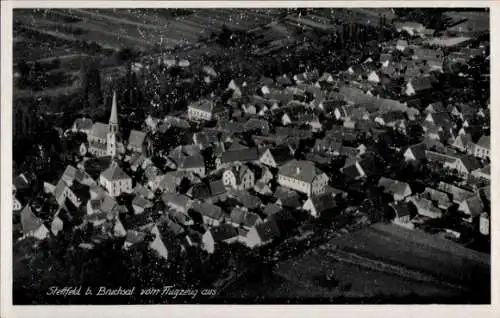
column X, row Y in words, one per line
column 190, row 162
column 241, row 155
column 114, row 172
column 484, row 142
column 134, row 237
column 203, row 105
column 209, row 210
column 393, row 186
column 475, row 205
column 136, row 138
column 217, row 187
column 421, row 83
column 323, row 202
column 281, row 154
column 401, row 209
column 83, row 123
column 29, row 221
column 418, row 150
column 271, row 208
column 267, row 230
column 301, row 170
column 223, row 232
column 141, row 202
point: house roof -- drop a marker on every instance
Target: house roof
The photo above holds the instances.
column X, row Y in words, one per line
column 29, row 221
column 271, row 208
column 134, row 237
column 435, row 195
column 301, row 170
column 281, row 154
column 470, row 162
column 393, row 186
column 475, row 205
column 217, row 187
column 83, row 123
column 267, row 230
column 136, row 138
column 323, row 202
column 421, row 83
column 114, row 172
column 209, row 210
column 401, row 209
column 223, row 232
column 418, row 150
column 246, row 199
column 81, row 191
column 203, row 105
column 193, row 161
column 484, row 142
column 242, row 155
column 141, row 202
column 176, row 199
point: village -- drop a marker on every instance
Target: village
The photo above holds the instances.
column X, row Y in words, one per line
column 387, row 139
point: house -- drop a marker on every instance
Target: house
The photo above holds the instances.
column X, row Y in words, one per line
column 136, row 141
column 158, row 242
column 242, row 217
column 483, row 173
column 397, row 189
column 83, row 125
column 482, row 147
column 484, row 224
column 415, row 153
column 262, row 234
column 425, row 207
column 246, row 155
column 225, row 233
column 390, row 119
column 139, row 204
column 237, row 86
column 194, row 163
column 277, row 156
column 204, row 110
column 472, row 207
column 458, row 194
column 32, row 225
column 401, row 45
column 417, row 85
column 435, row 108
column 177, row 202
column 262, row 188
column 239, row 177
column 461, row 163
column 133, row 237
column 211, row 214
column 115, row 180
column 318, row 205
column 440, row 198
column 402, row 212
column 464, row 143
column 302, row 176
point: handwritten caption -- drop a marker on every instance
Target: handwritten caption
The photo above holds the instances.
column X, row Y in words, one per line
column 166, row 291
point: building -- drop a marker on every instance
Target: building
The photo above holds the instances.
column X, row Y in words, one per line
column 239, row 177
column 401, row 212
column 397, row 189
column 317, row 205
column 136, row 141
column 32, row 225
column 194, row 164
column 303, row 176
column 275, row 157
column 104, row 139
column 482, row 147
column 224, row 233
column 484, row 224
column 262, row 234
column 472, row 207
column 115, row 180
column 204, row 110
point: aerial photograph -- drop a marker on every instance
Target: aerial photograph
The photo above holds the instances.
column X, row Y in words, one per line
column 251, row 156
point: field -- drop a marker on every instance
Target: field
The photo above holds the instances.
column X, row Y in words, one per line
column 388, row 262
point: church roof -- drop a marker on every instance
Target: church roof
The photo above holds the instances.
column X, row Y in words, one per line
column 113, row 118
column 114, row 172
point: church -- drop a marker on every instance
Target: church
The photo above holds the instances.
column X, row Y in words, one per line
column 104, row 139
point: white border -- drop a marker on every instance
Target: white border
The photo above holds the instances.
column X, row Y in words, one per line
column 6, row 308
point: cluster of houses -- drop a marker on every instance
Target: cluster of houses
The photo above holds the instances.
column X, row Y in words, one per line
column 248, row 187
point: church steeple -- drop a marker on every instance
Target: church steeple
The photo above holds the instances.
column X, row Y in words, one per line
column 112, row 129
column 113, row 118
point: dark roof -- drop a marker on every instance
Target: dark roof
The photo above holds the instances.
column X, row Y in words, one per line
column 401, row 209
column 217, row 187
column 81, row 191
column 242, row 155
column 470, row 162
column 323, row 202
column 418, row 150
column 267, row 230
column 484, row 142
column 281, row 154
column 209, row 210
column 421, row 83
column 29, row 221
column 475, row 204
column 223, row 232
column 194, row 161
column 271, row 208
column 136, row 138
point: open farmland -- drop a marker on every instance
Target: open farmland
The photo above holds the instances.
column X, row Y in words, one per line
column 388, row 261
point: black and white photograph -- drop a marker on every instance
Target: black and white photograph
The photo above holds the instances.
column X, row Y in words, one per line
column 250, row 155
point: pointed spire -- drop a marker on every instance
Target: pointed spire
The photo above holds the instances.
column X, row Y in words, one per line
column 113, row 118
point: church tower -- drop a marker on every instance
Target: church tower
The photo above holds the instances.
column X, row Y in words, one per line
column 112, row 129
